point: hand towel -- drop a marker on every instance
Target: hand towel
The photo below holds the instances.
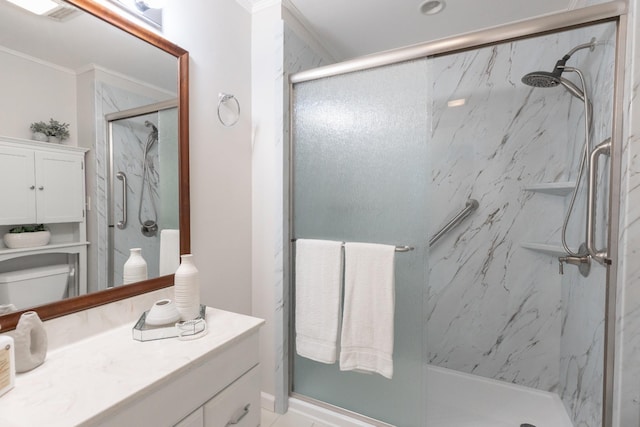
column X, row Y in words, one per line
column 169, row 251
column 369, row 302
column 318, row 270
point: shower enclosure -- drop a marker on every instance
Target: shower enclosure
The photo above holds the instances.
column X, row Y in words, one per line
column 488, row 331
column 142, row 171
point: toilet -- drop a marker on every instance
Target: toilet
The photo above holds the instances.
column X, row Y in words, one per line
column 34, row 286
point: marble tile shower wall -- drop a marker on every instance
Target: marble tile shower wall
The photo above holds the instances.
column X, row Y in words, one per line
column 583, row 299
column 495, row 308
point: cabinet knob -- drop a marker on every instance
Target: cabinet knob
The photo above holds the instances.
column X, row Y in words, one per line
column 41, row 188
column 33, row 187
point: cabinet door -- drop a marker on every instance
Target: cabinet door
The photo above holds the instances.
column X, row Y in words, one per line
column 17, row 186
column 238, row 405
column 59, row 188
column 195, row 419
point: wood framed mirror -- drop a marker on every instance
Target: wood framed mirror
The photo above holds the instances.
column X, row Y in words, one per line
column 102, row 15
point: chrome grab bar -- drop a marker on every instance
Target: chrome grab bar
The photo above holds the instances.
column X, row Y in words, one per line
column 122, row 177
column 598, row 255
column 469, row 207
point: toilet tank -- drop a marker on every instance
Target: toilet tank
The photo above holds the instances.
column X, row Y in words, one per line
column 34, row 286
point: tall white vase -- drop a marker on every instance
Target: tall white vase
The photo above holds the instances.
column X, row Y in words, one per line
column 187, row 289
column 135, row 269
column 30, row 342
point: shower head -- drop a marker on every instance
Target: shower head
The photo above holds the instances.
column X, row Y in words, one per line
column 554, row 78
column 546, row 79
column 148, row 124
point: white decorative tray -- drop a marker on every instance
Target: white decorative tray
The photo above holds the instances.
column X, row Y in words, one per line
column 145, row 332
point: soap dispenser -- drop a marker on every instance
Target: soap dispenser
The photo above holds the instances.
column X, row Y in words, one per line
column 7, row 364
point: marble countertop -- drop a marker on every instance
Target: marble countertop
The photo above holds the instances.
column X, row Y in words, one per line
column 109, row 370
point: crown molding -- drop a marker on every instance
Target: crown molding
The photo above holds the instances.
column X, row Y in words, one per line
column 300, row 25
column 253, row 6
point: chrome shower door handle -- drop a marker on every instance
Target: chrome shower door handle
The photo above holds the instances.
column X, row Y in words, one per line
column 598, row 255
column 122, row 177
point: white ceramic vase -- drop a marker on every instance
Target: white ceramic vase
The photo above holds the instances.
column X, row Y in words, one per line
column 187, row 289
column 30, row 342
column 135, row 268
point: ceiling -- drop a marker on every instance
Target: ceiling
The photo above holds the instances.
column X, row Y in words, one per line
column 83, row 40
column 352, row 28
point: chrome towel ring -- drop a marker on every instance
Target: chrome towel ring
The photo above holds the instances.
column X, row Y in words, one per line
column 230, row 114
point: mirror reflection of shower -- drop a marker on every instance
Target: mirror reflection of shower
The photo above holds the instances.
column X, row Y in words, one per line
column 142, row 185
column 149, row 227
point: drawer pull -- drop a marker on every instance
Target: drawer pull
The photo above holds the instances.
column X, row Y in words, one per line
column 240, row 414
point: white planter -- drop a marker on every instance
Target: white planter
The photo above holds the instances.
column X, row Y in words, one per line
column 26, row 240
column 39, row 136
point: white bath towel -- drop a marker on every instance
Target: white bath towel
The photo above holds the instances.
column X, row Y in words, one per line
column 369, row 302
column 318, row 297
column 169, row 251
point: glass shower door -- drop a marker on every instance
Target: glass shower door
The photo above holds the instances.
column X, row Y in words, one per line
column 360, row 174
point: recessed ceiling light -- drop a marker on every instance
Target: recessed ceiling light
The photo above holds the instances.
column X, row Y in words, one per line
column 431, row 7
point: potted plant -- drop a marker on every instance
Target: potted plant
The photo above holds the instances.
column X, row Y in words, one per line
column 54, row 131
column 57, row 131
column 39, row 130
column 27, row 236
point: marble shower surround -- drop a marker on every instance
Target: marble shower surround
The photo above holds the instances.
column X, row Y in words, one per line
column 495, row 308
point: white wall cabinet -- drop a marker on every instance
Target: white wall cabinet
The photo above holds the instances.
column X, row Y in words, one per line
column 41, row 184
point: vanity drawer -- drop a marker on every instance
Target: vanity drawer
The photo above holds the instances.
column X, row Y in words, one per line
column 236, row 406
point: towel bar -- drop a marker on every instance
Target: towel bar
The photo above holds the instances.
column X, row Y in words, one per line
column 398, row 248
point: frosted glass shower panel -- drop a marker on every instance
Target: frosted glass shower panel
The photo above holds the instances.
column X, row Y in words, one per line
column 360, row 173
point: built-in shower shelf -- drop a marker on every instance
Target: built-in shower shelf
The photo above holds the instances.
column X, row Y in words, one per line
column 555, row 250
column 553, row 188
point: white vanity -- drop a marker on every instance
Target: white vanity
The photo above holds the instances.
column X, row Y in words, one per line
column 109, row 379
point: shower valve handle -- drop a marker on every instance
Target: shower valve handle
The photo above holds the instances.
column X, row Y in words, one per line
column 583, row 263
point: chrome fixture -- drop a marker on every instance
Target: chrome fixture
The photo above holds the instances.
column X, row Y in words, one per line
column 469, row 207
column 583, row 261
column 150, row 226
column 231, row 113
column 122, row 224
column 398, row 248
column 600, row 255
column 544, row 79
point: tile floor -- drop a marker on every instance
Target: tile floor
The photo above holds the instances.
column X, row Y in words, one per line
column 290, row 419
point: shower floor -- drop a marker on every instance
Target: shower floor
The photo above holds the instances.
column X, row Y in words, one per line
column 456, row 399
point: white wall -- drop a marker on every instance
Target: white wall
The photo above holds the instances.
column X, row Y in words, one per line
column 267, row 85
column 38, row 91
column 217, row 35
